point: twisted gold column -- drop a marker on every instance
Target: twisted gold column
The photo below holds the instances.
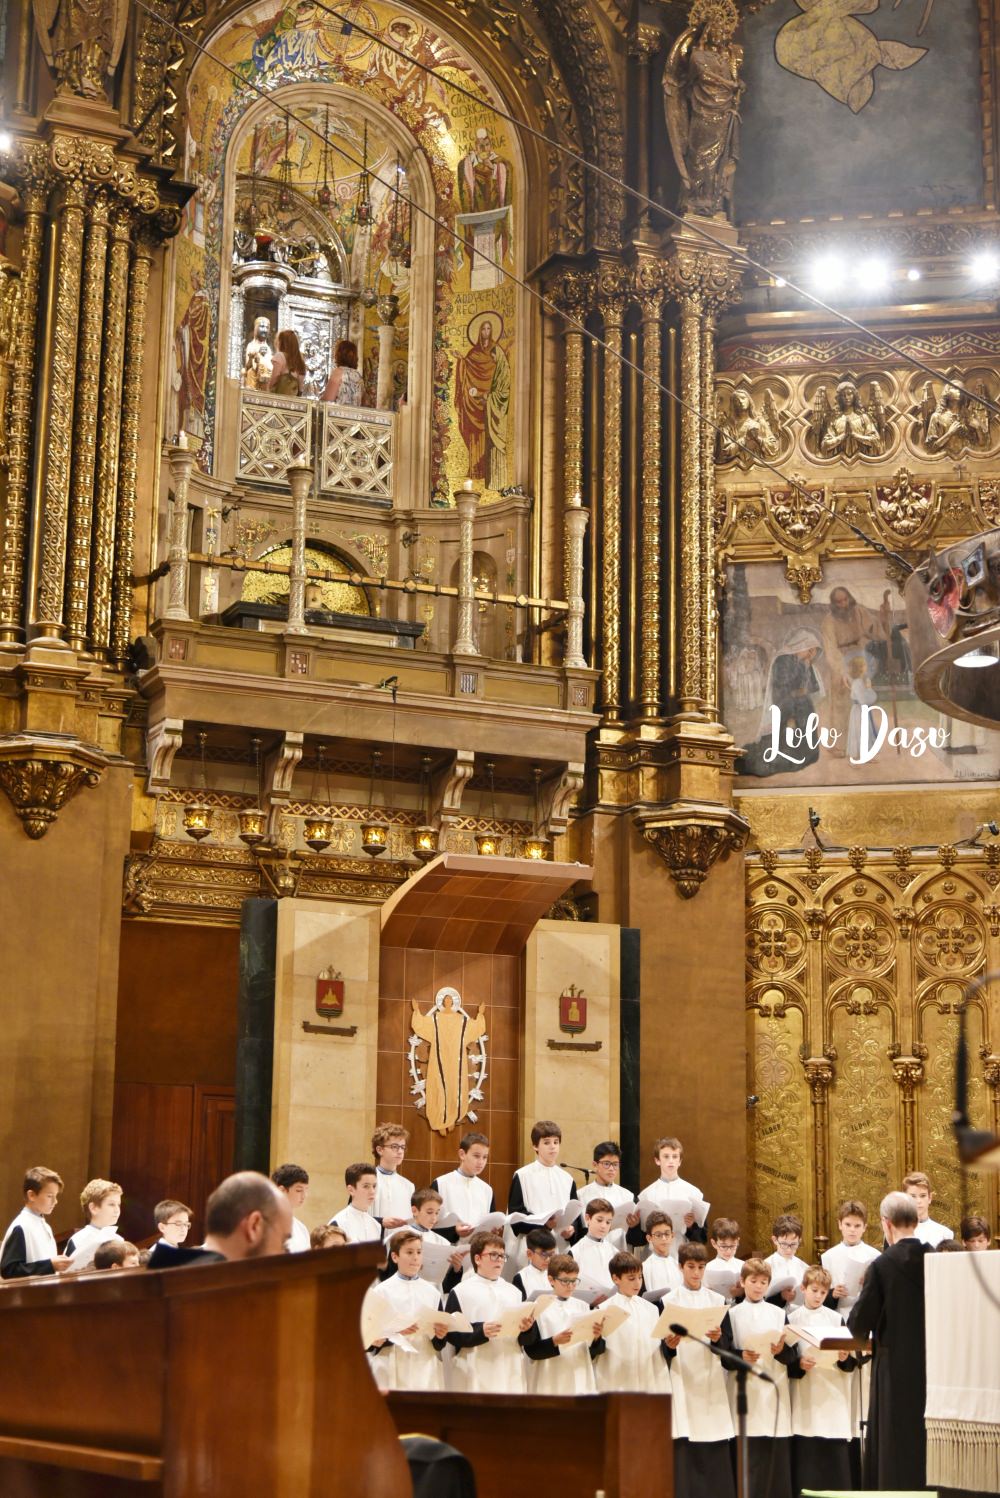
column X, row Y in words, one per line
column 85, row 427
column 612, row 311
column 109, row 419
column 135, row 334
column 709, row 606
column 19, row 421
column 651, row 480
column 690, row 527
column 66, row 268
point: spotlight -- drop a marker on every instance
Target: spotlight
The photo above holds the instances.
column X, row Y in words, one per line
column 6, row 141
column 780, row 281
column 913, row 274
column 978, row 657
column 871, row 274
column 985, row 267
column 828, row 272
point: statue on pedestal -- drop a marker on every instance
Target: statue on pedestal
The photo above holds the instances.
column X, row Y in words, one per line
column 82, row 41
column 701, row 97
column 258, row 361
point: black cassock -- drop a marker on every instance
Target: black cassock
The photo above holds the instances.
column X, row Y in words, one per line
column 891, row 1308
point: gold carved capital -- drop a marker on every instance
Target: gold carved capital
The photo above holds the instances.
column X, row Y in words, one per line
column 909, row 1073
column 691, row 839
column 819, row 1076
column 613, row 290
column 40, row 774
column 573, row 293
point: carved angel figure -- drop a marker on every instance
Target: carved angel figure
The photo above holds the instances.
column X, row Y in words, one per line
column 953, row 422
column 744, row 435
column 82, row 42
column 849, row 428
column 701, row 97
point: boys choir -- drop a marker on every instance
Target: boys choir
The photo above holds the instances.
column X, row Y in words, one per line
column 571, row 1293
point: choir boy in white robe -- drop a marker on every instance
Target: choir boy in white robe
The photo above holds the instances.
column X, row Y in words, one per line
column 851, row 1255
column 660, row 1271
column 293, row 1180
column 425, row 1206
column 392, row 1190
column 702, row 1420
column 101, row 1202
column 918, row 1186
column 542, row 1188
column 976, row 1235
column 770, row 1439
column 173, row 1222
column 784, row 1263
column 668, row 1154
column 633, row 1359
column 540, row 1248
column 554, row 1367
column 356, row 1218
column 724, row 1237
column 607, row 1168
column 29, row 1246
column 822, row 1422
column 417, row 1363
column 594, row 1253
column 486, row 1362
column 464, row 1193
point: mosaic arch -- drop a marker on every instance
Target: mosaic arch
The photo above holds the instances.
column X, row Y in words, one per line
column 476, row 170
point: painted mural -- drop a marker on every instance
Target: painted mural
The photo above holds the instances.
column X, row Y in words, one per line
column 875, row 99
column 822, row 693
column 476, row 172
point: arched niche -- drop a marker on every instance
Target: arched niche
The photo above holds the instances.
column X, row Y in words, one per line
column 339, row 597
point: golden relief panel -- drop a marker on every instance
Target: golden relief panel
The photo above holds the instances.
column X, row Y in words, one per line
column 857, row 963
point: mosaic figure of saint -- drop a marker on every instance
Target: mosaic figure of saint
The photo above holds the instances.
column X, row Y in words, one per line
column 482, row 400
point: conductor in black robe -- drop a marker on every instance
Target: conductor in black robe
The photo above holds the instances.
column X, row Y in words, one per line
column 891, row 1309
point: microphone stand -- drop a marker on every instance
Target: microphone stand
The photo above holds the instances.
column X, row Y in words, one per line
column 743, row 1370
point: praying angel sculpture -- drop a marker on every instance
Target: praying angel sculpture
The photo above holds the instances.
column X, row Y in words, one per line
column 82, row 42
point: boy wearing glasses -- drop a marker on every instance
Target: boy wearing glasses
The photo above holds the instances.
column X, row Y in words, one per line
column 607, row 1169
column 660, row 1271
column 393, row 1191
column 173, row 1222
column 555, row 1367
column 486, row 1360
column 784, row 1263
column 540, row 1245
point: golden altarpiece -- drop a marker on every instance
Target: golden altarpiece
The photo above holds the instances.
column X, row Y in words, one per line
column 608, row 495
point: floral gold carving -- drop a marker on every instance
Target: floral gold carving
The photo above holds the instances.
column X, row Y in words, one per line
column 39, row 784
column 904, row 506
column 690, row 848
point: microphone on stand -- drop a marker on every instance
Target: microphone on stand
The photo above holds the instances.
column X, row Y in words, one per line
column 583, row 1169
column 729, row 1359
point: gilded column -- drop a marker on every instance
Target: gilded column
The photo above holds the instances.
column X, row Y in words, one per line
column 300, row 477
column 20, row 413
column 466, row 502
column 65, row 271
column 574, row 529
column 574, row 298
column 612, row 308
column 819, row 1075
column 109, row 429
column 181, row 462
column 689, row 694
column 135, row 337
column 709, row 625
column 81, row 514
column 909, row 1072
column 652, row 478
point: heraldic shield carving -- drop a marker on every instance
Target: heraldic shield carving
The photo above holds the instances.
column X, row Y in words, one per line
column 455, row 1065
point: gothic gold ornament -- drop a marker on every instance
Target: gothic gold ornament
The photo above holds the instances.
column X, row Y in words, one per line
column 82, row 42
column 40, row 778
column 455, row 1065
column 691, row 838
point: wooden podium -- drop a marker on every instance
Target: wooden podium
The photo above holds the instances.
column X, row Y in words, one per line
column 216, row 1381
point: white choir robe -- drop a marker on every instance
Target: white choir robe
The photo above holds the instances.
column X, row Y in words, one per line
column 393, row 1195
column 661, row 1272
column 821, row 1400
column 758, row 1316
column 543, row 1190
column 39, row 1239
column 84, row 1243
column 298, row 1242
column 700, row 1405
column 469, row 1197
column 497, row 1366
column 734, row 1265
column 618, row 1196
column 572, row 1372
column 781, row 1268
column 633, row 1359
column 933, row 1232
column 662, row 1191
column 360, row 1227
column 422, row 1368
column 836, row 1260
column 531, row 1280
column 593, row 1256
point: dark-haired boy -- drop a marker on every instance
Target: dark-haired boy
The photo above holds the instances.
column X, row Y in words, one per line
column 543, row 1188
column 356, row 1218
column 593, row 1252
column 554, row 1366
column 540, row 1248
column 464, row 1194
column 631, row 1358
column 847, row 1260
column 702, row 1419
column 416, row 1364
column 486, row 1361
column 29, row 1245
column 975, row 1234
column 607, row 1168
column 669, row 1192
column 173, row 1222
column 293, row 1180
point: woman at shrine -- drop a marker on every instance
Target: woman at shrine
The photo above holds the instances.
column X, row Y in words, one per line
column 288, row 370
column 345, row 386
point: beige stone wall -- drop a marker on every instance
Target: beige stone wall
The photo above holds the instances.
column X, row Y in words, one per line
column 577, row 1088
column 323, row 1092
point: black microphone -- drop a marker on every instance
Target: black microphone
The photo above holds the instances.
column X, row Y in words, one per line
column 729, row 1359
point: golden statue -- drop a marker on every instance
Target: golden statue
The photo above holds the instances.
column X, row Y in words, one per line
column 448, row 1090
column 82, row 41
column 701, row 99
column 849, row 428
column 745, row 434
column 258, row 361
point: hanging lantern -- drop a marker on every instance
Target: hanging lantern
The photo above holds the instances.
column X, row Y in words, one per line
column 197, row 813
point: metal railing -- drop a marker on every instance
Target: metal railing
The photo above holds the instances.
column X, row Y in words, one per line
column 350, row 448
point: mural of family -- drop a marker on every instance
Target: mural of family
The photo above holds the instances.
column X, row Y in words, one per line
column 822, row 693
